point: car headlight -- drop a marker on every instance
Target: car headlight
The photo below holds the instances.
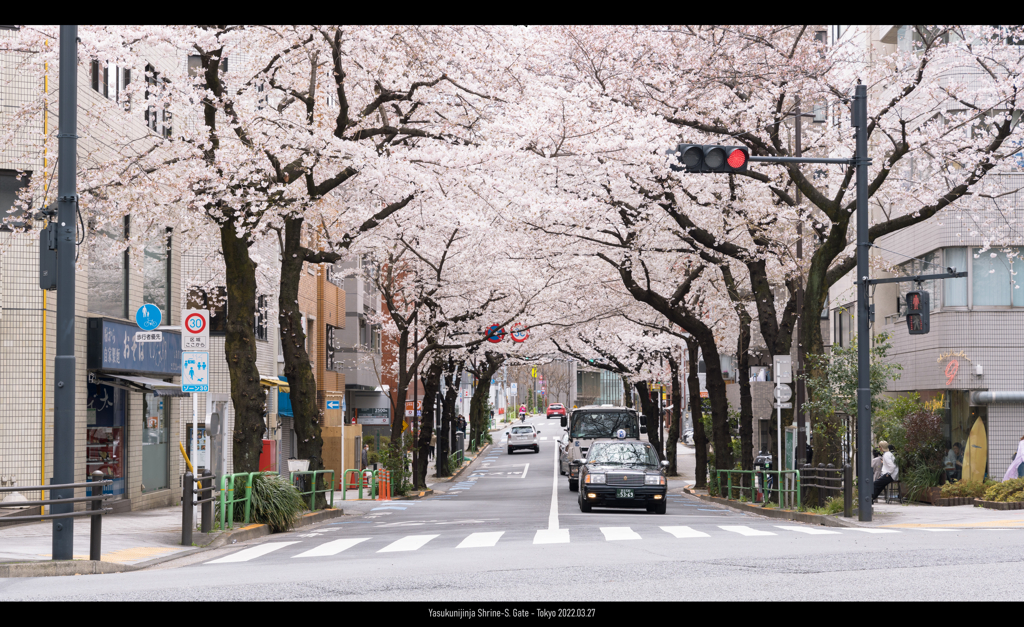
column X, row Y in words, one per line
column 594, row 479
column 654, row 480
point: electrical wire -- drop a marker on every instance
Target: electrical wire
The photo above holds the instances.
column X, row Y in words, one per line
column 906, row 256
column 78, row 243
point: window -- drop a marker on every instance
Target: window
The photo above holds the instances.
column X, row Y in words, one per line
column 216, row 300
column 332, row 346
column 260, row 327
column 110, row 81
column 108, row 280
column 993, row 274
column 156, row 274
column 955, row 290
column 10, row 182
column 158, row 120
column 914, row 38
column 842, row 325
column 335, row 275
column 195, row 66
column 155, row 443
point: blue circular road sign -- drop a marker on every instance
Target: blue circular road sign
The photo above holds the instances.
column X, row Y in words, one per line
column 148, row 317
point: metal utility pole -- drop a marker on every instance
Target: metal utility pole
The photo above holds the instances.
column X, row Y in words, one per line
column 64, row 364
column 865, row 484
column 801, row 435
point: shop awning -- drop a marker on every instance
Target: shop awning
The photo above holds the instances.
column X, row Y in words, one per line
column 146, row 384
column 274, row 382
column 284, row 400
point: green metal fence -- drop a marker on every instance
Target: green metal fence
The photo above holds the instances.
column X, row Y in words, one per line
column 729, row 487
column 313, row 491
column 228, row 498
column 362, row 477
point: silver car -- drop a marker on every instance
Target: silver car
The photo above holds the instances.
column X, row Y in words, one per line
column 523, row 436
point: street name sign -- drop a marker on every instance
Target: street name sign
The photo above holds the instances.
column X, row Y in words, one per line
column 195, row 330
column 148, row 317
column 783, row 405
column 195, row 371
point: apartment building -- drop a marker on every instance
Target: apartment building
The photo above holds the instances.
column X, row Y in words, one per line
column 127, row 393
column 976, row 342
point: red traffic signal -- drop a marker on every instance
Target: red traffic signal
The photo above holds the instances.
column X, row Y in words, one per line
column 918, row 312
column 712, row 158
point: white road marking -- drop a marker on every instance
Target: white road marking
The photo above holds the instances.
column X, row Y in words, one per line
column 619, row 533
column 745, row 531
column 252, row 553
column 551, row 536
column 553, row 516
column 927, row 529
column 332, row 548
column 524, row 471
column 814, row 531
column 408, row 543
column 866, row 530
column 685, row 532
column 487, row 538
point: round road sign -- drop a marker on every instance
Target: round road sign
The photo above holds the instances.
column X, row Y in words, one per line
column 495, row 333
column 519, row 332
column 148, row 317
column 195, row 323
column 783, row 392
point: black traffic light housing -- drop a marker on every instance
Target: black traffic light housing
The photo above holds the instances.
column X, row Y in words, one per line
column 917, row 312
column 711, row 158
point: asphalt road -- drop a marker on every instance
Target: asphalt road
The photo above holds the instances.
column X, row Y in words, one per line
column 511, row 530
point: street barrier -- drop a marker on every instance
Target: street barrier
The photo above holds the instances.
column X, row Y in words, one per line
column 830, row 479
column 366, row 479
column 192, row 496
column 313, row 491
column 228, row 498
column 382, row 478
column 95, row 511
column 787, row 484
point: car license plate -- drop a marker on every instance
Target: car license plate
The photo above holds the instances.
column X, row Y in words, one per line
column 623, row 494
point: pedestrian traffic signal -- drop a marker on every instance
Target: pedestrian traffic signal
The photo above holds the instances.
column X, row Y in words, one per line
column 711, row 158
column 917, row 312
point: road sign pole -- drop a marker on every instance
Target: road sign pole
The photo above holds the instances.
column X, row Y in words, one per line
column 195, row 442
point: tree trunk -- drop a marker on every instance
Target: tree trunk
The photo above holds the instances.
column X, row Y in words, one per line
column 720, row 434
column 444, row 446
column 649, row 408
column 827, row 430
column 673, row 429
column 482, row 394
column 247, row 396
column 700, row 439
column 746, row 400
column 431, row 384
column 627, row 391
column 307, row 417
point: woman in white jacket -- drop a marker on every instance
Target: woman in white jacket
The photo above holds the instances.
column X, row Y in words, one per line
column 1016, row 468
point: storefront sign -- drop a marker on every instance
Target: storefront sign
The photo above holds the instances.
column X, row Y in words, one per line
column 112, row 348
column 953, row 367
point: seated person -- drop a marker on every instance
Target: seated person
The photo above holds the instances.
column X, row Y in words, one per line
column 954, row 462
column 890, row 471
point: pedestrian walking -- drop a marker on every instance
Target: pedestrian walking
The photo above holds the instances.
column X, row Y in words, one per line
column 433, row 445
column 1016, row 468
column 366, row 455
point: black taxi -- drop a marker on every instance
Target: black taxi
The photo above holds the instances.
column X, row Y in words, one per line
column 622, row 473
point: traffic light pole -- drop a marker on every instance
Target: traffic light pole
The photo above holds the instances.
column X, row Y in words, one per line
column 865, row 483
column 64, row 363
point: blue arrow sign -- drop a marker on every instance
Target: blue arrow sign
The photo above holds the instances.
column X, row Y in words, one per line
column 333, row 404
column 148, row 317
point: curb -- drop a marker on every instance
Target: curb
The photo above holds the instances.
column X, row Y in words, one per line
column 417, row 495
column 88, row 567
column 780, row 514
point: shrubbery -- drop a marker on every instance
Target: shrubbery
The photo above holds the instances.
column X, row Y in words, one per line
column 1006, row 492
column 966, row 489
column 273, row 501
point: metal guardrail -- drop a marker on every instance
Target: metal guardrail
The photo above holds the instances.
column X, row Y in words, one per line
column 95, row 511
column 227, row 503
column 831, row 479
column 192, row 496
column 757, row 481
column 313, row 491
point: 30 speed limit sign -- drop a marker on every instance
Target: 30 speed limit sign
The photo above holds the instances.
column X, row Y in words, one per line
column 195, row 330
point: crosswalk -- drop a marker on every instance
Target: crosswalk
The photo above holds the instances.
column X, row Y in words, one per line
column 490, row 539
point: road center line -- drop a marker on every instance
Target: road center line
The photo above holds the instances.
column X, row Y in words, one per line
column 524, row 471
column 553, row 516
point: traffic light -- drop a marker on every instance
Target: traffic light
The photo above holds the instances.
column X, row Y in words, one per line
column 712, row 158
column 917, row 312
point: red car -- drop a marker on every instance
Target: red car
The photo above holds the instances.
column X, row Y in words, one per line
column 556, row 410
